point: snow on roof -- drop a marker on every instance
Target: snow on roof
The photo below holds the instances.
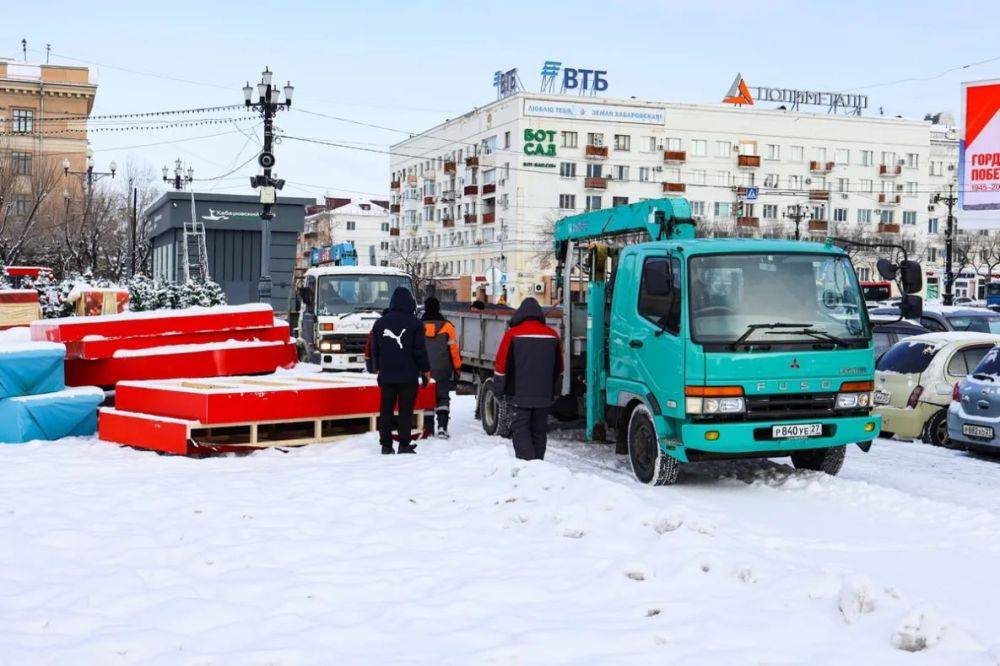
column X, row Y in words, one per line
column 20, row 346
column 952, row 337
column 156, row 314
column 354, row 270
column 70, row 392
column 356, row 207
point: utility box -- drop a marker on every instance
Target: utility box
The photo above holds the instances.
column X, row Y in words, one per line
column 232, row 238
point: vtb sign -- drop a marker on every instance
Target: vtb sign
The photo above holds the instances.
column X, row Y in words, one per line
column 572, row 78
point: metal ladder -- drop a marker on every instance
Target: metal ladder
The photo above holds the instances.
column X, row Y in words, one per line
column 194, row 252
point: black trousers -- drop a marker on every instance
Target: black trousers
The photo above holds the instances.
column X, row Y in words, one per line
column 406, row 396
column 529, row 430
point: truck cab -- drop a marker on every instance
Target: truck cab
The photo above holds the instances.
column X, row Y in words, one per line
column 339, row 306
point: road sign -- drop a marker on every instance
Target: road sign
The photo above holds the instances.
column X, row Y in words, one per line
column 503, row 278
column 751, row 194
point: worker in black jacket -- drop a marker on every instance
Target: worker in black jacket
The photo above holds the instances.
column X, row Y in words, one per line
column 528, row 371
column 399, row 356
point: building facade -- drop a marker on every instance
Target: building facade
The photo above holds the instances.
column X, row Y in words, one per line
column 363, row 222
column 473, row 200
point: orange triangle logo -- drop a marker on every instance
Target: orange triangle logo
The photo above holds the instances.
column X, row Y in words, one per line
column 738, row 92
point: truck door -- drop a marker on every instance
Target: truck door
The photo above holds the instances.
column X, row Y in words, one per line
column 307, row 313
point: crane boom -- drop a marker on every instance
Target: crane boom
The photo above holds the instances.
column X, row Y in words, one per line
column 660, row 218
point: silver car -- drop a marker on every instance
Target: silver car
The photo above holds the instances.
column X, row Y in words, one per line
column 974, row 414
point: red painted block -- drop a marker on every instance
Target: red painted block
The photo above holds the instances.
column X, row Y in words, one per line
column 249, row 358
column 157, row 322
column 106, row 347
column 242, row 399
column 143, row 431
column 18, row 296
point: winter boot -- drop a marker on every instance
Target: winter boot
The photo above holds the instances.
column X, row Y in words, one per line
column 442, row 420
column 387, row 450
column 407, row 448
column 428, row 425
column 442, row 433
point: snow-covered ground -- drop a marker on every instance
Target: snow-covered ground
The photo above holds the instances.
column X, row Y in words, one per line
column 461, row 554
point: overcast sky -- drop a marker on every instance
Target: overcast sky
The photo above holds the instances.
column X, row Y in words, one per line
column 409, row 65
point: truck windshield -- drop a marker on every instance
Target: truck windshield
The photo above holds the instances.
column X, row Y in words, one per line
column 776, row 299
column 340, row 294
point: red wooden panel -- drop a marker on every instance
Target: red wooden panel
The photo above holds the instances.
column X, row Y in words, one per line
column 250, row 359
column 143, row 431
column 106, row 347
column 18, row 296
column 159, row 322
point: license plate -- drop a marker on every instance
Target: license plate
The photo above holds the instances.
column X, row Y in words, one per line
column 983, row 432
column 881, row 397
column 797, row 430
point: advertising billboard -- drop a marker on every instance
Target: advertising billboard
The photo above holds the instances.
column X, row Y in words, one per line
column 980, row 147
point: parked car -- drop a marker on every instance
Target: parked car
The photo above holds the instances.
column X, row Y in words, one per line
column 950, row 318
column 886, row 334
column 915, row 380
column 974, row 414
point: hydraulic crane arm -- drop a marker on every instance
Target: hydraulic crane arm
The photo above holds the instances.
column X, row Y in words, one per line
column 660, row 218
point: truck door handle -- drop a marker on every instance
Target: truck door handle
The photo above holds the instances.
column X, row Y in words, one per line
column 635, row 344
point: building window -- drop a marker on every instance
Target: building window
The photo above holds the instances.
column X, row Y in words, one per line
column 769, row 211
column 819, row 154
column 723, row 149
column 506, row 139
column 932, row 254
column 937, row 168
column 671, row 175
column 843, row 185
column 795, row 182
column 619, row 201
column 932, row 225
column 911, row 188
column 909, row 217
column 867, row 158
column 697, row 208
column 350, row 226
column 623, row 142
column 720, row 209
column 864, row 216
column 866, row 185
column 21, row 163
column 385, row 245
column 595, row 170
column 569, row 139
column 842, row 156
column 567, row 169
column 595, row 139
column 567, row 201
column 888, row 158
column 913, row 160
column 22, row 206
column 648, row 144
column 818, row 213
column 840, row 215
column 699, row 148
column 886, row 216
column 593, row 202
column 673, row 144
column 22, row 121
column 620, row 172
column 797, row 153
column 772, row 151
column 385, row 227
column 644, row 174
column 699, row 177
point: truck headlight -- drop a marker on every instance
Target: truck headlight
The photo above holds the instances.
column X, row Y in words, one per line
column 328, row 346
column 714, row 405
column 853, row 400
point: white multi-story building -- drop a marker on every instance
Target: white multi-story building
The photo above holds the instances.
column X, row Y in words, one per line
column 363, row 222
column 474, row 199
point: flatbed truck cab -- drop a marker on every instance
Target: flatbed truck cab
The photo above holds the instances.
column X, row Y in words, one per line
column 708, row 348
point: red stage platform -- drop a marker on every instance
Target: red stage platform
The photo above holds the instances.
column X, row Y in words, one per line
column 192, row 416
column 100, row 347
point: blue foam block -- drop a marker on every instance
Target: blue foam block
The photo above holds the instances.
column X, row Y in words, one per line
column 50, row 416
column 31, row 368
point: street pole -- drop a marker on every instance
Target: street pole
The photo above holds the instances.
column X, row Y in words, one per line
column 796, row 217
column 268, row 104
column 135, row 203
column 949, row 243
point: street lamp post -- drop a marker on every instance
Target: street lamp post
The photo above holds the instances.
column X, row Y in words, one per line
column 268, row 104
column 949, row 243
column 180, row 177
column 796, row 213
column 89, row 177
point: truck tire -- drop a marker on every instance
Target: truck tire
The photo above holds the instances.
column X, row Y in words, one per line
column 650, row 465
column 828, row 460
column 936, row 430
column 494, row 411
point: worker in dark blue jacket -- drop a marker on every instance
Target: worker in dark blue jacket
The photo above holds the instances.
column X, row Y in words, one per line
column 399, row 356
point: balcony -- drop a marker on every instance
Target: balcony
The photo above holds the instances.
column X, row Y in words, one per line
column 751, row 222
column 394, row 231
column 429, row 175
column 470, row 219
column 819, row 195
column 675, row 188
column 394, row 184
column 819, row 226
column 490, row 188
column 471, row 190
column 411, row 180
column 472, row 162
column 394, row 208
column 748, row 161
column 450, row 168
column 888, row 228
column 595, row 183
column 820, row 167
column 888, row 199
column 428, row 201
column 889, row 170
column 447, row 221
column 674, row 156
column 596, row 151
column 488, row 218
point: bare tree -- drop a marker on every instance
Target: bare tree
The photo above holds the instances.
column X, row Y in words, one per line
column 413, row 257
column 27, row 181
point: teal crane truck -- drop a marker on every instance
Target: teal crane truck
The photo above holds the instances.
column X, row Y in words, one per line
column 694, row 349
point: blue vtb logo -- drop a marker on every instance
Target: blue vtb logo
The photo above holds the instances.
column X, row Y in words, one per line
column 551, row 68
column 575, row 78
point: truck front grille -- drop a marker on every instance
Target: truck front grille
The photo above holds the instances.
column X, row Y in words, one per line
column 349, row 344
column 780, row 406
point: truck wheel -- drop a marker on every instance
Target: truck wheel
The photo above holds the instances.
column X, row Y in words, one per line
column 495, row 411
column 828, row 460
column 936, row 430
column 650, row 465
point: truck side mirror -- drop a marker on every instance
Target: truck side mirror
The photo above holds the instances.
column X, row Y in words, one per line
column 886, row 269
column 911, row 276
column 911, row 307
column 307, row 296
column 658, row 277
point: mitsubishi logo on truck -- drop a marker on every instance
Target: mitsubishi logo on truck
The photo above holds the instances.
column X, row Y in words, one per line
column 795, row 364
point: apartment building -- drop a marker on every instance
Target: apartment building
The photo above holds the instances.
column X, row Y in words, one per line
column 363, row 222
column 473, row 200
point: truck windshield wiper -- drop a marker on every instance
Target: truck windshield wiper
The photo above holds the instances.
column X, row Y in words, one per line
column 753, row 328
column 817, row 334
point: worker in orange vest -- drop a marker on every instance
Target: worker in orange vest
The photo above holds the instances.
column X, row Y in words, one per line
column 445, row 362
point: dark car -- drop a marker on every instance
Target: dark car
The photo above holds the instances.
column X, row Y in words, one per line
column 885, row 335
column 944, row 318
